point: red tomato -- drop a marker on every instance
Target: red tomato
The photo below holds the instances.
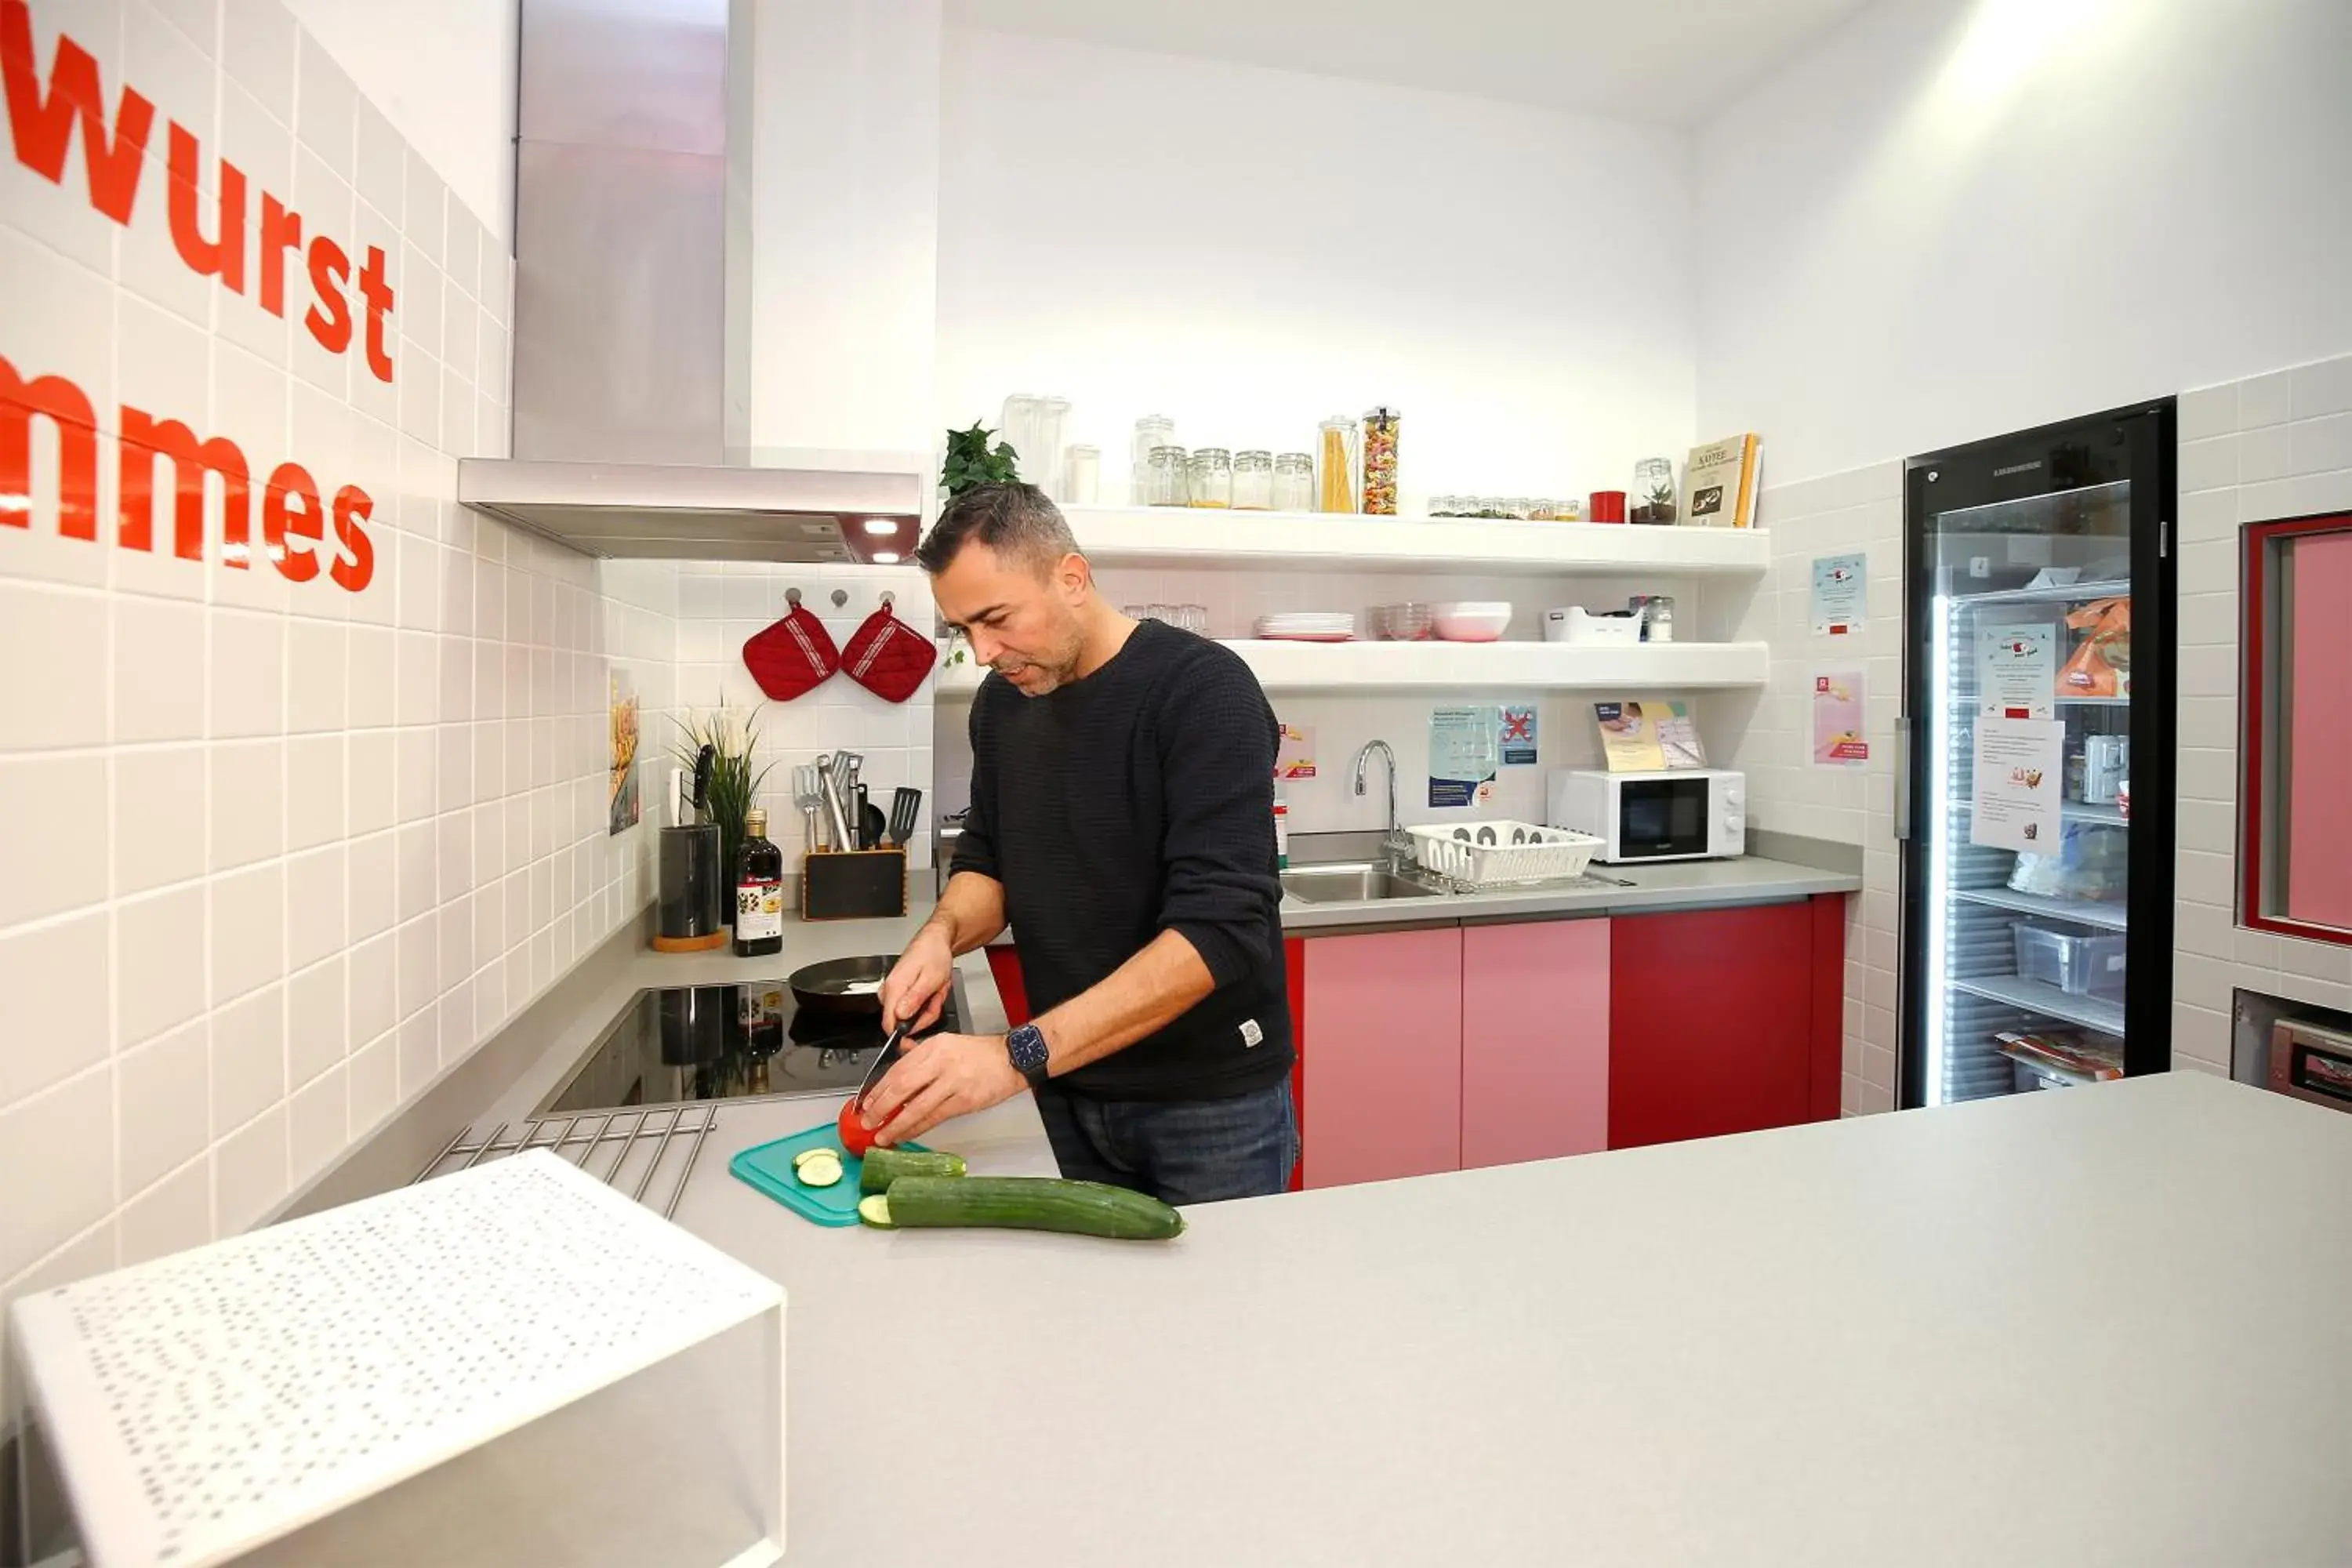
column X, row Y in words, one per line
column 855, row 1136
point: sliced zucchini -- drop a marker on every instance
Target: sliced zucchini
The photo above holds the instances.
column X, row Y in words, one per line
column 818, row 1173
column 884, row 1167
column 1031, row 1203
column 874, row 1209
column 805, row 1155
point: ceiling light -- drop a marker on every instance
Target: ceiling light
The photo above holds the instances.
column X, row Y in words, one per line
column 881, row 525
column 885, row 558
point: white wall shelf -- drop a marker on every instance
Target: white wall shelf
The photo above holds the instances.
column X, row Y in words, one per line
column 1184, row 536
column 1456, row 665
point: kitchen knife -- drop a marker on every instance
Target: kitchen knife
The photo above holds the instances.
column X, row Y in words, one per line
column 882, row 1059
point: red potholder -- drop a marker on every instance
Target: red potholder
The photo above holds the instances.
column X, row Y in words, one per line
column 792, row 657
column 888, row 657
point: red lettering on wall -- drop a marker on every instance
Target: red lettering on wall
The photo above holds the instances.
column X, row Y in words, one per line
column 64, row 405
column 290, row 505
column 329, row 320
column 222, row 256
column 379, row 302
column 353, row 507
column 42, row 124
column 144, row 440
column 281, row 231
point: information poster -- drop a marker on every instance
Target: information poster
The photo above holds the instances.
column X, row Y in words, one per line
column 1516, row 736
column 2017, row 669
column 1294, row 756
column 1841, row 594
column 1648, row 736
column 623, row 804
column 1463, row 755
column 1839, row 703
column 2020, row 775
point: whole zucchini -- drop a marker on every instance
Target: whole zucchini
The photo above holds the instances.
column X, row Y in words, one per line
column 1031, row 1203
column 884, row 1167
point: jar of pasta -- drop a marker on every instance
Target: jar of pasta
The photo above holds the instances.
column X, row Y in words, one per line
column 1380, row 461
column 1335, row 466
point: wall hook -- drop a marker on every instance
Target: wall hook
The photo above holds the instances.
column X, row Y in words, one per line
column 840, row 597
column 889, row 598
column 793, row 597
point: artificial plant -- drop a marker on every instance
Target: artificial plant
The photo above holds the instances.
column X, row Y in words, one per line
column 734, row 786
column 970, row 461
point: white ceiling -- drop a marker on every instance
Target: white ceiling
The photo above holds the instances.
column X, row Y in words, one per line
column 1666, row 62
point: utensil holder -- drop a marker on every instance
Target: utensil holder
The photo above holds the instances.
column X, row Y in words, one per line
column 853, row 884
column 691, row 909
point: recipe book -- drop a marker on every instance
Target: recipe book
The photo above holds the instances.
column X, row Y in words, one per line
column 1719, row 483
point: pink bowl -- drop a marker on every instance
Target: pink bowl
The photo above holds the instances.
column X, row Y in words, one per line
column 1477, row 622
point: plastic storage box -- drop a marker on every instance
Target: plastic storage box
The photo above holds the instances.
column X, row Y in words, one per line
column 2072, row 961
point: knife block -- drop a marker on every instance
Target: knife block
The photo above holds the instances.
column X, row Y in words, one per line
column 853, row 884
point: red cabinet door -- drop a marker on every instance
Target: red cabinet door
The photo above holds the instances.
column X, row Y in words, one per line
column 1535, row 1041
column 1383, row 1074
column 1711, row 1022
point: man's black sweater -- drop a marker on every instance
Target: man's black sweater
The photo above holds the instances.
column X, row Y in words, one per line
column 1139, row 800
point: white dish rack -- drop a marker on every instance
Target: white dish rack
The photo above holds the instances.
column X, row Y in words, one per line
column 1495, row 854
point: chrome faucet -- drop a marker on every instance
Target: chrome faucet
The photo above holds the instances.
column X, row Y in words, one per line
column 1395, row 834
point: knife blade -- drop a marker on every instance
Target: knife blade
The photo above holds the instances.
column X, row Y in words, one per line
column 889, row 1053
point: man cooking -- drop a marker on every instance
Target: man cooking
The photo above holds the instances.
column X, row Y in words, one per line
column 1122, row 823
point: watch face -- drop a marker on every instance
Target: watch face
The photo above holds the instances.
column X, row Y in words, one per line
column 1026, row 1046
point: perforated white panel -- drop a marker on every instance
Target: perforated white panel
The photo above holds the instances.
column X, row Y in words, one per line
column 211, row 1401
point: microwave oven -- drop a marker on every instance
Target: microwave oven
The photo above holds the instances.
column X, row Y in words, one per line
column 1678, row 814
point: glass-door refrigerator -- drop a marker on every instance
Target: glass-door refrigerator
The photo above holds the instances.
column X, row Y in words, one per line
column 2035, row 788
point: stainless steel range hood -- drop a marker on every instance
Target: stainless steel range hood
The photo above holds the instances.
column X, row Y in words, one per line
column 847, row 506
column 633, row 308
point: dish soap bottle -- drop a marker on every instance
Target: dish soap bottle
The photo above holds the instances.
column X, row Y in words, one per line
column 759, row 891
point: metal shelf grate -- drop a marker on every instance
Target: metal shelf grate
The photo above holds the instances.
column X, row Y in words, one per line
column 639, row 1142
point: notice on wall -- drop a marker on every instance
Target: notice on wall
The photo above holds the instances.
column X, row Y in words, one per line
column 1516, row 735
column 1839, row 703
column 2017, row 669
column 1841, row 594
column 2020, row 769
column 1463, row 755
column 1648, row 736
column 1294, row 756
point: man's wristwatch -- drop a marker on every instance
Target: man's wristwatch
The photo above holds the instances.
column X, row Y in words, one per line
column 1026, row 1046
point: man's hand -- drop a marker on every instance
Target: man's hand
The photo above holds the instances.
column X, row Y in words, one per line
column 917, row 987
column 944, row 1075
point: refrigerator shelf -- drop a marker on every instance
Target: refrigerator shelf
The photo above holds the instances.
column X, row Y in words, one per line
column 2073, row 811
column 2109, row 589
column 2081, row 912
column 2043, row 507
column 1972, row 698
column 2046, row 1001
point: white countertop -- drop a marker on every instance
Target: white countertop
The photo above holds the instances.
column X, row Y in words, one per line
column 2091, row 1326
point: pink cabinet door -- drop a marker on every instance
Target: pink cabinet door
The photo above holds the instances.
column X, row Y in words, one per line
column 1383, row 1074
column 1535, row 1041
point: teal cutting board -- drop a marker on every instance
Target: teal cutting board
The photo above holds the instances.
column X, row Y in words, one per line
column 769, row 1167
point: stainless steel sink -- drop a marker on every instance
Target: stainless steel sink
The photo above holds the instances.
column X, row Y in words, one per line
column 1353, row 883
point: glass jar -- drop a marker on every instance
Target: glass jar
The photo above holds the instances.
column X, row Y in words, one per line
column 1542, row 509
column 1212, row 477
column 1166, row 478
column 1520, row 508
column 1491, row 505
column 1380, row 461
column 1153, row 430
column 1294, row 482
column 1335, row 466
column 1567, row 511
column 1252, row 481
column 1081, row 475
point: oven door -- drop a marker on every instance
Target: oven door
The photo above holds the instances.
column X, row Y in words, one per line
column 1662, row 818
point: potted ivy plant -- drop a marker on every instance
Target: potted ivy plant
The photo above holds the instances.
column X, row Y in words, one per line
column 972, row 461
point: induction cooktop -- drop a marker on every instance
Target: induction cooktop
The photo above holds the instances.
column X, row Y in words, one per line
column 679, row 1044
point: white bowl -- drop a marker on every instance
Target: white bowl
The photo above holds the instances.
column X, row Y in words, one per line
column 1478, row 621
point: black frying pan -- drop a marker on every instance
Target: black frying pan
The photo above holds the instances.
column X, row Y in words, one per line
column 842, row 987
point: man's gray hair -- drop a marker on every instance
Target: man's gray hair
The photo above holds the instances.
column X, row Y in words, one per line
column 1016, row 520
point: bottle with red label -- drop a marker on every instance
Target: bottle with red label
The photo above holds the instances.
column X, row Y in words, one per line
column 759, row 891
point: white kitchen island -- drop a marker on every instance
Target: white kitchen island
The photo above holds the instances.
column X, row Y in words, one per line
column 2090, row 1326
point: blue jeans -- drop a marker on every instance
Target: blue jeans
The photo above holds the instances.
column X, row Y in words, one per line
column 1177, row 1150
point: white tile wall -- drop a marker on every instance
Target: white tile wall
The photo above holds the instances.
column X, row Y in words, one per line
column 2276, row 445
column 722, row 606
column 266, row 858
column 1838, row 514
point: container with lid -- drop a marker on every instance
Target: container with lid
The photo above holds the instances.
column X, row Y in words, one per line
column 1166, row 478
column 1152, row 430
column 1294, row 482
column 1212, row 477
column 1380, row 460
column 1081, row 476
column 1335, row 466
column 1252, row 481
column 1653, row 491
